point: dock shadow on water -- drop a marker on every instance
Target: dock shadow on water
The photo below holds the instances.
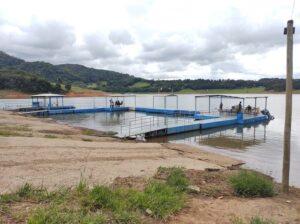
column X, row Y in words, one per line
column 233, row 138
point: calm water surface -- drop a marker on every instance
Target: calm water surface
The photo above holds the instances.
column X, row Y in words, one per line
column 260, row 146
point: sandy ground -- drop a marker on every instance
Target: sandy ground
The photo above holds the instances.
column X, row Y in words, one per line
column 50, row 154
column 212, row 211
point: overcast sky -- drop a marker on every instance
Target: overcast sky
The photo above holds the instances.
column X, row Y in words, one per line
column 160, row 39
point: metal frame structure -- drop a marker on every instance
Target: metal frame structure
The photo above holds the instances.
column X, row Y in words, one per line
column 165, row 99
column 47, row 97
column 231, row 97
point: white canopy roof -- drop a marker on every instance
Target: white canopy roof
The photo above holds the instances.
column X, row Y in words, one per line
column 48, row 95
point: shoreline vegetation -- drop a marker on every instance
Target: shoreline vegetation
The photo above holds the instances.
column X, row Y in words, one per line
column 161, row 198
column 54, row 173
column 84, row 92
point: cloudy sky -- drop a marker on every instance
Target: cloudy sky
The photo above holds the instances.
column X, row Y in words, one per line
column 155, row 39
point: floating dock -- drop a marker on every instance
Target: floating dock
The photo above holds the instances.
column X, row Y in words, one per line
column 161, row 122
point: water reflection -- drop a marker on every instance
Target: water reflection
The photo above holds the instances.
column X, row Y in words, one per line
column 235, row 137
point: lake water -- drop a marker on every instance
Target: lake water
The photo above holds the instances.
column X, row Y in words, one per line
column 260, row 146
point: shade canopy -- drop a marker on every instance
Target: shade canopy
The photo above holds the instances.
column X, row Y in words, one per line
column 47, row 95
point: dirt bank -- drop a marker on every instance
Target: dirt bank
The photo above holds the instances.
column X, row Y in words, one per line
column 43, row 152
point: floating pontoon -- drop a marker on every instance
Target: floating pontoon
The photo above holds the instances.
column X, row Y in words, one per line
column 46, row 102
column 207, row 113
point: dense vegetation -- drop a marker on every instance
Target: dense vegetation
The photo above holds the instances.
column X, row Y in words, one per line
column 25, row 82
column 111, row 81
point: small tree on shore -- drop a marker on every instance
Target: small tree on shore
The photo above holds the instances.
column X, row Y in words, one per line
column 68, row 87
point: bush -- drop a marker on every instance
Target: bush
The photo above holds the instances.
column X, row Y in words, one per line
column 252, row 184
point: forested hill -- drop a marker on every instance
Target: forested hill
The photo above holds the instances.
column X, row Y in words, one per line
column 13, row 69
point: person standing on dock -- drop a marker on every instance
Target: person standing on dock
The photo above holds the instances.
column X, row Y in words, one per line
column 221, row 107
column 240, row 107
column 111, row 103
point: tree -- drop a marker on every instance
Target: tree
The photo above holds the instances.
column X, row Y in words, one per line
column 57, row 88
column 68, row 87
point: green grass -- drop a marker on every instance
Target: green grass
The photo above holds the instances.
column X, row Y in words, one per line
column 178, row 179
column 252, row 184
column 253, row 220
column 56, row 215
column 102, row 204
column 15, row 130
column 50, row 136
column 7, row 133
column 224, row 91
column 162, row 199
column 140, row 85
column 90, row 132
column 87, row 139
column 96, row 133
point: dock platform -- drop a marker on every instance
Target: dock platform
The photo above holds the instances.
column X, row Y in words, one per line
column 162, row 122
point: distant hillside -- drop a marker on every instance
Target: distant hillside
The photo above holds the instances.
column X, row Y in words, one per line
column 25, row 82
column 110, row 81
column 70, row 73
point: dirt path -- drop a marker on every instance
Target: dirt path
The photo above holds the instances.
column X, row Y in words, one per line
column 42, row 152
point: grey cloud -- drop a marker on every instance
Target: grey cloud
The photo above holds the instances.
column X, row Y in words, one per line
column 100, row 47
column 218, row 46
column 173, row 66
column 38, row 41
column 228, row 66
column 165, row 51
column 50, row 35
column 121, row 37
column 248, row 38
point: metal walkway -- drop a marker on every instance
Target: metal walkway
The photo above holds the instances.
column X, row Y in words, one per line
column 145, row 124
column 158, row 125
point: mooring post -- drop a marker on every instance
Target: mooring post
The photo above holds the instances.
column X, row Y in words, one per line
column 289, row 31
column 153, row 102
column 208, row 104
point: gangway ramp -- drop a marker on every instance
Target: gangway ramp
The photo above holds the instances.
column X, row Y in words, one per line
column 143, row 125
column 165, row 125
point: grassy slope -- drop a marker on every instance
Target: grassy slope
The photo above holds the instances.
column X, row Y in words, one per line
column 140, row 85
column 225, row 91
